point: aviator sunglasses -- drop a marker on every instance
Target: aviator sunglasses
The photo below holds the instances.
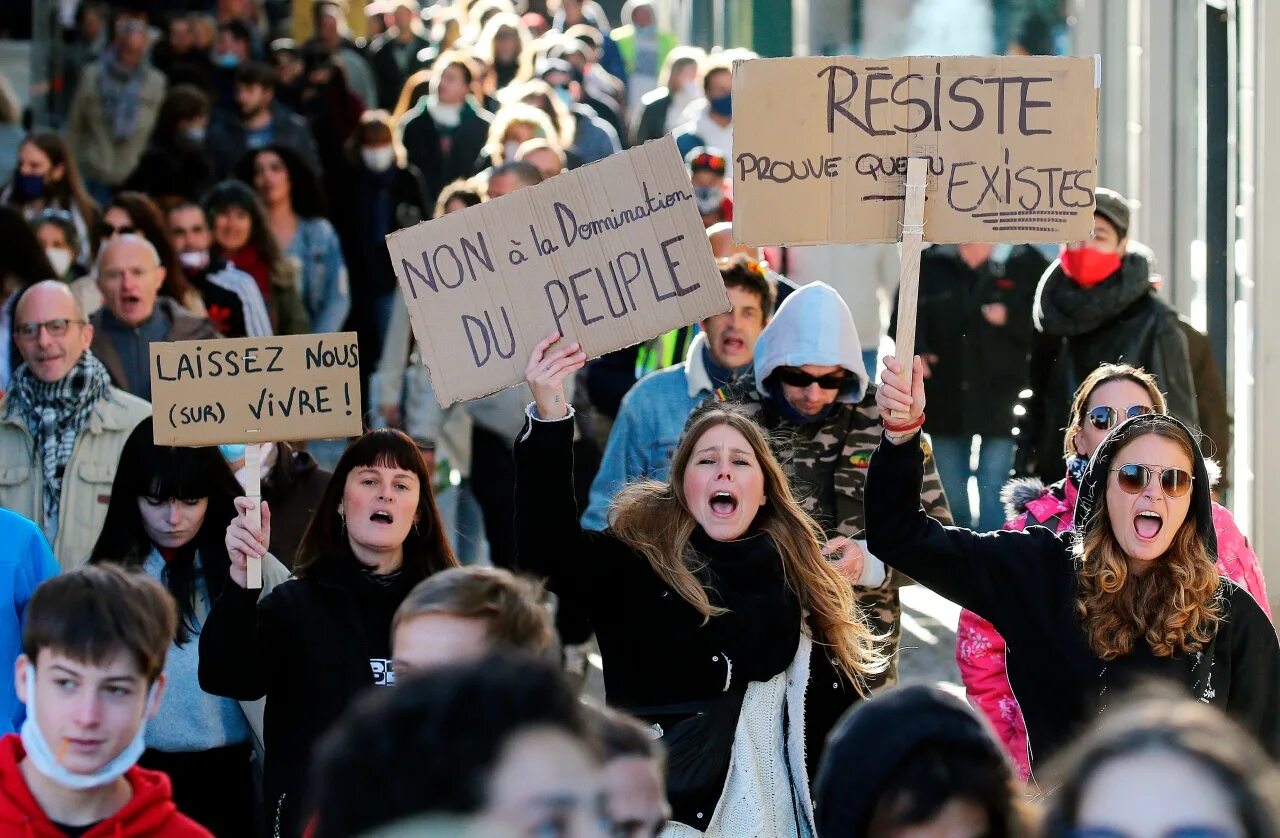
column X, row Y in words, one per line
column 1105, row 418
column 799, row 378
column 1134, row 477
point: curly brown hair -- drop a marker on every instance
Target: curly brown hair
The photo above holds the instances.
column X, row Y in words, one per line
column 1174, row 606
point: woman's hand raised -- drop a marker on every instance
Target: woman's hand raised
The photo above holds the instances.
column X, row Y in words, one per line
column 245, row 540
column 547, row 372
column 894, row 396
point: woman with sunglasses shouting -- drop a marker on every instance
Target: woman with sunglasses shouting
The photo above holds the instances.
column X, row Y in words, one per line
column 1108, row 395
column 1131, row 594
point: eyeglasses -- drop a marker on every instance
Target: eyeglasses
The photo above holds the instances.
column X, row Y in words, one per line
column 1105, row 418
column 1133, row 478
column 56, row 328
column 106, row 231
column 802, row 379
column 1176, row 832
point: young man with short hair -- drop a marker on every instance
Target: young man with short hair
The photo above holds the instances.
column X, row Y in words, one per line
column 91, row 673
column 463, row 613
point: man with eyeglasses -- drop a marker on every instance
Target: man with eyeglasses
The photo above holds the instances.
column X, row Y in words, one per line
column 62, row 424
column 133, row 314
column 809, row 389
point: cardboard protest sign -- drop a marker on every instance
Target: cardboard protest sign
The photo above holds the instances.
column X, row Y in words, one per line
column 821, row 147
column 209, row 392
column 607, row 255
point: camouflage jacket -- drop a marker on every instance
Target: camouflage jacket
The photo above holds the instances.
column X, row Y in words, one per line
column 827, row 462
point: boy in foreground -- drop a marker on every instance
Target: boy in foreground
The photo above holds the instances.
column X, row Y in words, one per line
column 91, row 676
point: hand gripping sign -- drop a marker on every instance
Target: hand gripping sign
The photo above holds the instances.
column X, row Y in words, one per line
column 972, row 149
column 608, row 255
column 255, row 390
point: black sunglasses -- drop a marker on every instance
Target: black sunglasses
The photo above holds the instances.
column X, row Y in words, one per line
column 106, row 231
column 799, row 378
column 1134, row 477
column 1105, row 418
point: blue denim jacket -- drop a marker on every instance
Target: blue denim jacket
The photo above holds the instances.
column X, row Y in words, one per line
column 326, row 292
column 648, row 429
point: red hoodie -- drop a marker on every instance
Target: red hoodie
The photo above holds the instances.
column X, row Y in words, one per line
column 150, row 813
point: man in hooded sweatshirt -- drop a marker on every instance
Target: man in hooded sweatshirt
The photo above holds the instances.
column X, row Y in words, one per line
column 91, row 673
column 810, row 391
column 1097, row 305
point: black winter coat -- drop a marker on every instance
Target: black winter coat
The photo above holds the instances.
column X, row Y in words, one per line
column 657, row 650
column 981, row 368
column 1120, row 320
column 309, row 646
column 444, row 157
column 1025, row 584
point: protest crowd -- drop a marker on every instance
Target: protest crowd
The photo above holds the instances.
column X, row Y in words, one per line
column 721, row 517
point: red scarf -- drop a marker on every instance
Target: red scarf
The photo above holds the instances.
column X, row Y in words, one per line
column 249, row 260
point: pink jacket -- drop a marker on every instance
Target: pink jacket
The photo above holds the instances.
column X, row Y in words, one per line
column 980, row 648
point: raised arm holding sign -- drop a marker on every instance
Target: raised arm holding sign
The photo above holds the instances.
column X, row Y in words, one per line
column 256, row 390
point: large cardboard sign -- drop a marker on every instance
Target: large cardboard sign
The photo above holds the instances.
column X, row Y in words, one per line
column 821, row 147
column 608, row 255
column 209, row 392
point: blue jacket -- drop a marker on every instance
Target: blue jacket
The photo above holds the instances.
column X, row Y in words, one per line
column 326, row 290
column 648, row 429
column 25, row 562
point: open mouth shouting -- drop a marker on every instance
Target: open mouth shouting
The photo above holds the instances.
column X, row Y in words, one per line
column 382, row 517
column 723, row 504
column 1147, row 524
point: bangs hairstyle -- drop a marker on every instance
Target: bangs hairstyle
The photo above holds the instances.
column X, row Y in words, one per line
column 1103, row 375
column 653, row 519
column 1168, row 723
column 234, row 194
column 94, row 612
column 1174, row 607
column 426, row 548
column 164, row 473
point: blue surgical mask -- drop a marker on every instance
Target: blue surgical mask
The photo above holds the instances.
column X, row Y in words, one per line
column 565, row 96
column 232, row 452
column 229, row 60
column 28, row 187
column 194, row 134
column 722, row 105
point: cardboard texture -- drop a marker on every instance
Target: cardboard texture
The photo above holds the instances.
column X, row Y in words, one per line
column 608, row 255
column 209, row 392
column 821, row 147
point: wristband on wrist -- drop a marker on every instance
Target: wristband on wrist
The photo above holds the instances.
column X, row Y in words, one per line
column 904, row 427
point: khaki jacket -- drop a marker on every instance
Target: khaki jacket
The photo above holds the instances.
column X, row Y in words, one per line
column 100, row 155
column 86, row 486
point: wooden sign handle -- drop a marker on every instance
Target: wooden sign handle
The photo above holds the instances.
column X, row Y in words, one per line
column 253, row 491
column 909, row 276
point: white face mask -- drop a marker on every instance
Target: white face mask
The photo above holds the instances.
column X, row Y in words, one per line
column 42, row 756
column 509, row 149
column 692, row 90
column 378, row 159
column 195, row 260
column 59, row 258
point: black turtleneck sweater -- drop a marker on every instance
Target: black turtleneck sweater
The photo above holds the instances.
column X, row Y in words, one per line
column 657, row 649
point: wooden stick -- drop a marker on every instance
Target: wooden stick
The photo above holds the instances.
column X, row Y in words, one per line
column 253, row 490
column 909, row 276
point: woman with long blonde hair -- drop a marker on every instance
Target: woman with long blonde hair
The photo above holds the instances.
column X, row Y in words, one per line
column 1132, row 593
column 720, row 620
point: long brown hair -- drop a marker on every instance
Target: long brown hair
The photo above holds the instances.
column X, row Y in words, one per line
column 653, row 519
column 426, row 548
column 1173, row 606
column 1104, row 374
